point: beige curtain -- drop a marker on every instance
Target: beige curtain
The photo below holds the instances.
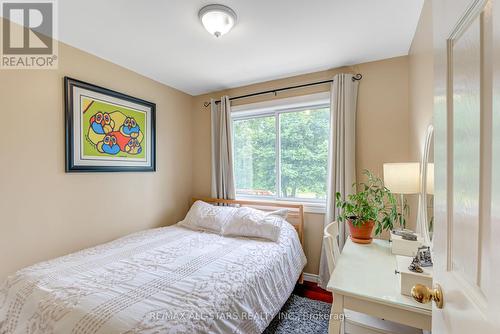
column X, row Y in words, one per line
column 341, row 155
column 222, row 153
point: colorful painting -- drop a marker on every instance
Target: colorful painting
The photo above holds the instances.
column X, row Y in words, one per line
column 107, row 131
column 113, row 131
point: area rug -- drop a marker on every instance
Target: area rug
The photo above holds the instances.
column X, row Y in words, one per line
column 301, row 315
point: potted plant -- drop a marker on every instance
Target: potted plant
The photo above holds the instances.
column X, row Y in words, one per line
column 372, row 206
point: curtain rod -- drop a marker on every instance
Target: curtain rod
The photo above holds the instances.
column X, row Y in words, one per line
column 275, row 91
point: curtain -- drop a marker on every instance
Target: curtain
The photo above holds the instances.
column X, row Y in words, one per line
column 222, row 153
column 341, row 156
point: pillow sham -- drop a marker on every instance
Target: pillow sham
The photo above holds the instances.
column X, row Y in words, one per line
column 249, row 222
column 207, row 217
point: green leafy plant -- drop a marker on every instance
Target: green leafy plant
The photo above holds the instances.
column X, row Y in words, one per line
column 372, row 202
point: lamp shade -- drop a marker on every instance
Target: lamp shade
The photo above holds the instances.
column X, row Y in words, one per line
column 402, row 178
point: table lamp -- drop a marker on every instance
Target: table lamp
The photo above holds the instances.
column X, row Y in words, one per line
column 402, row 178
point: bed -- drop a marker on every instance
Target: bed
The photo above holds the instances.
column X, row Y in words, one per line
column 164, row 280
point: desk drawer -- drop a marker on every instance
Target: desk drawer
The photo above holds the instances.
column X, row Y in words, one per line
column 407, row 278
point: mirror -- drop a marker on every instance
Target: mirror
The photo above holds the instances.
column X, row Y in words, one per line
column 425, row 217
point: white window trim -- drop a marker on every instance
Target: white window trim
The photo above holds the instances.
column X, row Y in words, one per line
column 254, row 109
column 274, row 108
column 309, row 206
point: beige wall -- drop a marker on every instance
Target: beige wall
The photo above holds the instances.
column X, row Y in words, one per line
column 421, row 89
column 421, row 81
column 382, row 127
column 46, row 212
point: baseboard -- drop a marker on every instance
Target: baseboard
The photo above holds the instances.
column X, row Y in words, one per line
column 311, row 278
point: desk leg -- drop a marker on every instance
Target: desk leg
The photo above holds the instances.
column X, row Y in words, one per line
column 336, row 315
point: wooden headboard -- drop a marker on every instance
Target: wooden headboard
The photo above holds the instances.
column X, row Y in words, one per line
column 295, row 211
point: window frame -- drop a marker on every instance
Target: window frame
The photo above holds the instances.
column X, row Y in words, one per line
column 276, row 108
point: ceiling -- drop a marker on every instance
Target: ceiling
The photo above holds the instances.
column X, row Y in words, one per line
column 164, row 40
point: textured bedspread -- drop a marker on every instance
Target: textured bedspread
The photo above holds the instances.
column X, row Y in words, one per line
column 166, row 280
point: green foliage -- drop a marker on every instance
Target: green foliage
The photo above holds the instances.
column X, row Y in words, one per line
column 372, row 202
column 304, row 154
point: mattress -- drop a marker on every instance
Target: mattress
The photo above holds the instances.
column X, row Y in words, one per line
column 165, row 280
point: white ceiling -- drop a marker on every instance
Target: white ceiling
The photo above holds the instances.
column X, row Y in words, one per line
column 164, row 40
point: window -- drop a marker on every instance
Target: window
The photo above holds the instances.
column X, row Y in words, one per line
column 282, row 153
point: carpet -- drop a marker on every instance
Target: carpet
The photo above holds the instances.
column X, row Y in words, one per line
column 301, row 315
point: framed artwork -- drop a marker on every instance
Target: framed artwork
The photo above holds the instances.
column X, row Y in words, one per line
column 107, row 131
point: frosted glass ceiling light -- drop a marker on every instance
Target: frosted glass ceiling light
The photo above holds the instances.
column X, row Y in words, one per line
column 217, row 19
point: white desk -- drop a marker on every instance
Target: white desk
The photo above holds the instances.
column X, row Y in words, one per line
column 364, row 281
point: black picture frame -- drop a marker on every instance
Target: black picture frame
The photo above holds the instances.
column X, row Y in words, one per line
column 71, row 166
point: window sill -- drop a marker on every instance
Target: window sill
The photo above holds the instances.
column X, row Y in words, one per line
column 309, row 207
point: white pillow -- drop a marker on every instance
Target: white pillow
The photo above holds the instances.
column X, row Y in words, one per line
column 207, row 217
column 249, row 222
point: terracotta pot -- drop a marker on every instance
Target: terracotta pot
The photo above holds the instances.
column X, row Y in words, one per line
column 361, row 234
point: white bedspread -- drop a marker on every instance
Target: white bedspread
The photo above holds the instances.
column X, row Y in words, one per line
column 166, row 280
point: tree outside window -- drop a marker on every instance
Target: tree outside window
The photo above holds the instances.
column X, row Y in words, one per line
column 282, row 154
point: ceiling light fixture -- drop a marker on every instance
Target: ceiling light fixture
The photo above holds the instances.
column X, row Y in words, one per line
column 217, row 19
